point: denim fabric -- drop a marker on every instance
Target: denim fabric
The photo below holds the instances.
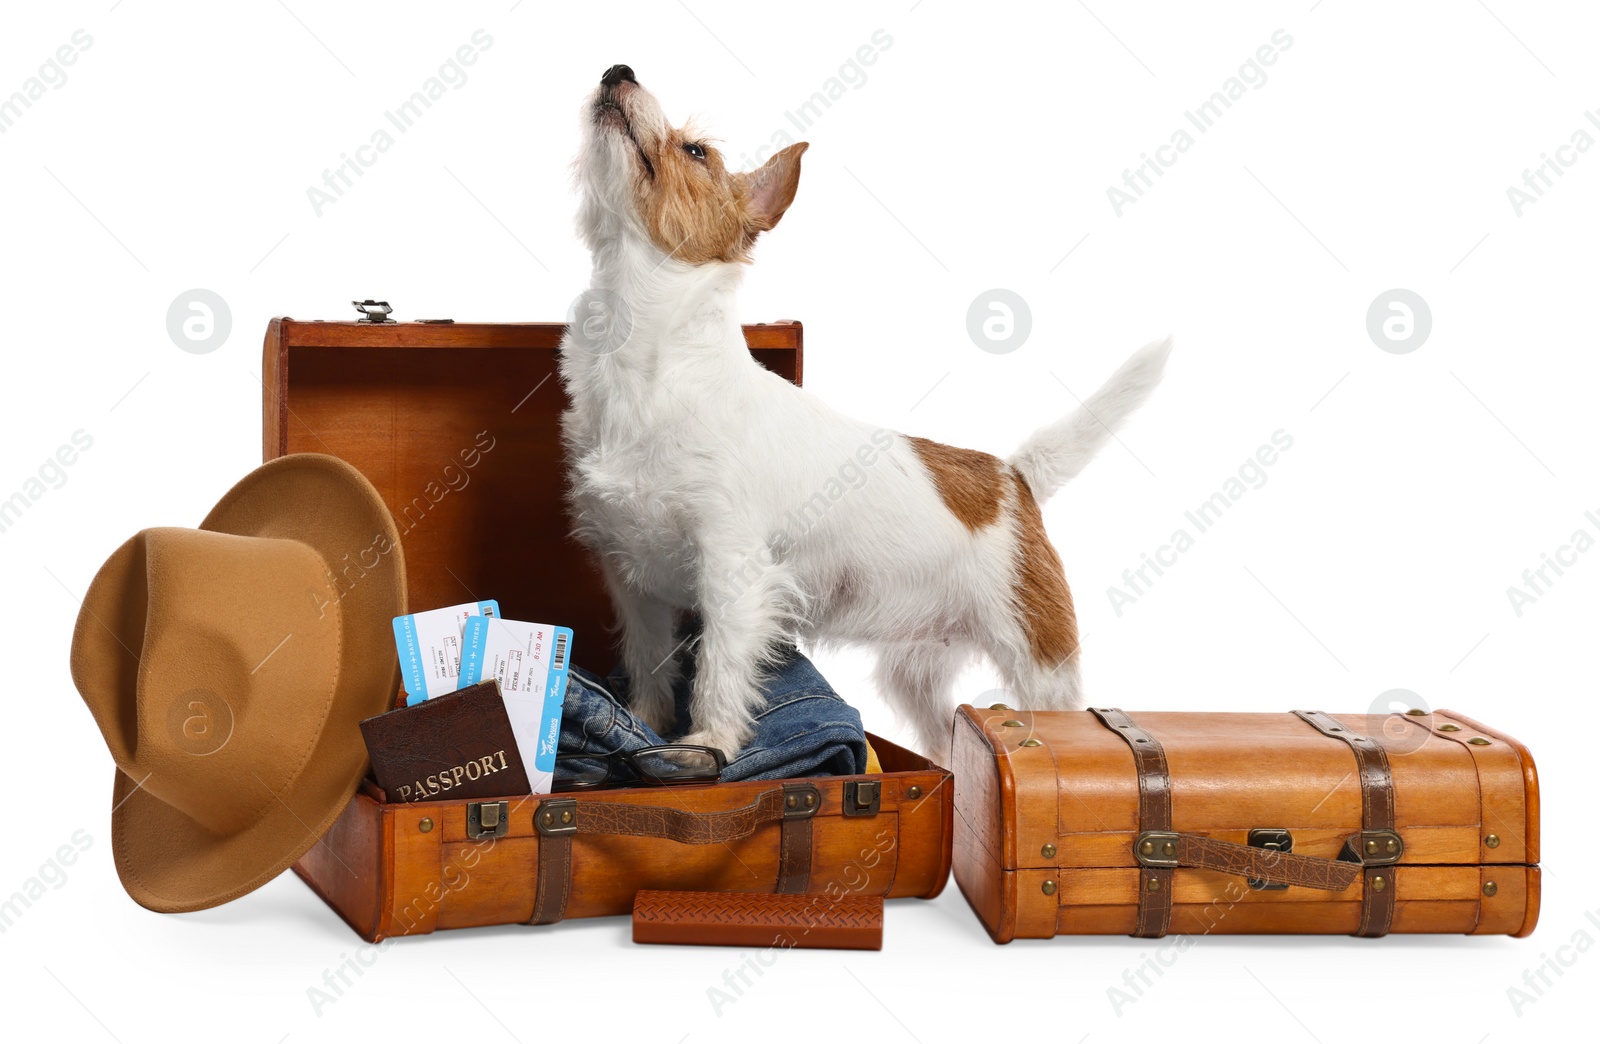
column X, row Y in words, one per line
column 805, row 729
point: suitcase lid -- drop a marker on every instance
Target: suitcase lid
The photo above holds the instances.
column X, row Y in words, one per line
column 457, row 425
column 1068, row 792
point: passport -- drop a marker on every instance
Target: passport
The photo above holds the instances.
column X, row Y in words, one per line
column 456, row 746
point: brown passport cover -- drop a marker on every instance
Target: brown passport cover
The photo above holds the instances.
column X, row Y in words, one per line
column 847, row 922
column 455, row 746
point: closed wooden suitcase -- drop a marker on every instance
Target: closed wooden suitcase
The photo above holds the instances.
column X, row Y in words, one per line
column 1105, row 823
column 457, row 425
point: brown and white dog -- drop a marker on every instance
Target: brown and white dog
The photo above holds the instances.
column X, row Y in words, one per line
column 704, row 482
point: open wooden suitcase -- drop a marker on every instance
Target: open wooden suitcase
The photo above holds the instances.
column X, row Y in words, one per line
column 458, row 427
column 1109, row 823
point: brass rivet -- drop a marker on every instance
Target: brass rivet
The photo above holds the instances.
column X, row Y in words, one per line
column 811, row 799
column 1372, row 848
column 913, row 792
column 566, row 817
column 1048, row 851
column 1012, row 724
column 1148, row 848
column 425, row 826
column 549, row 818
column 792, row 801
column 1031, row 742
column 1048, row 888
column 1489, row 888
column 1478, row 741
column 1168, row 849
column 1379, row 884
column 1449, row 727
column 1492, row 841
column 998, row 706
column 1154, row 884
column 1391, row 846
column 1416, row 712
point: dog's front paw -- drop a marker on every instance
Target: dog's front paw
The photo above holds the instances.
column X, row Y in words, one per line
column 729, row 741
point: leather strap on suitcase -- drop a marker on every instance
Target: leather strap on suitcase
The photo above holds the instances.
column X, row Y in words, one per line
column 1160, row 850
column 1379, row 846
column 558, row 820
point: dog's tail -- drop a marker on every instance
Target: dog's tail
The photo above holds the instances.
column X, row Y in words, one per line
column 1055, row 454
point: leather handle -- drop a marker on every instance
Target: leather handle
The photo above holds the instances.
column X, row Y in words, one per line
column 559, row 820
column 677, row 824
column 1228, row 857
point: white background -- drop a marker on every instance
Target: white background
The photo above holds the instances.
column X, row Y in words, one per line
column 976, row 155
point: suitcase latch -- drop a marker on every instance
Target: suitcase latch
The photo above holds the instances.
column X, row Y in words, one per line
column 373, row 311
column 1156, row 848
column 862, row 797
column 1274, row 840
column 487, row 819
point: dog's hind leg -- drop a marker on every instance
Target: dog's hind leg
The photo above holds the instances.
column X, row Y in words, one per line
column 916, row 678
column 1040, row 686
column 1031, row 631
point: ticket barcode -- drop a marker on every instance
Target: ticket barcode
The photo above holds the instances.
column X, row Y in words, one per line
column 558, row 660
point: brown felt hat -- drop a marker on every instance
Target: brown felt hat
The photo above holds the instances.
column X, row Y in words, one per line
column 228, row 668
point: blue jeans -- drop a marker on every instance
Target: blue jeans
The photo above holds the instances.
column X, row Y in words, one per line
column 805, row 729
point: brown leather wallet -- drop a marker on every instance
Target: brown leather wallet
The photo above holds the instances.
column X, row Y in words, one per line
column 830, row 922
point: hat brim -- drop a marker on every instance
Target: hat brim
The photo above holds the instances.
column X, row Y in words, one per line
column 172, row 864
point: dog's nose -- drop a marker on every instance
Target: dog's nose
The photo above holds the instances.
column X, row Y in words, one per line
column 617, row 74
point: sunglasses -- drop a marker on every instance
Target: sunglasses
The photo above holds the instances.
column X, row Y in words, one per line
column 667, row 765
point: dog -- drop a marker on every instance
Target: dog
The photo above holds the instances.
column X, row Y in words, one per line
column 705, row 483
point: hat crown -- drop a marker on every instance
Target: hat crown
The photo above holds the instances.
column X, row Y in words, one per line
column 216, row 722
column 228, row 669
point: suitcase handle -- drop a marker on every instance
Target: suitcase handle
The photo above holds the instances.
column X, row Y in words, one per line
column 559, row 816
column 1162, row 849
column 557, row 820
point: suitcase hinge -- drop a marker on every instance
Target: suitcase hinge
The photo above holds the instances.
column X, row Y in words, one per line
column 487, row 819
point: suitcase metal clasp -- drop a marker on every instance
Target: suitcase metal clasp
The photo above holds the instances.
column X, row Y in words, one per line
column 487, row 819
column 1275, row 840
column 862, row 797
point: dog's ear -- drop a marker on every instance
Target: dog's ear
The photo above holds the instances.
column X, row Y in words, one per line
column 772, row 186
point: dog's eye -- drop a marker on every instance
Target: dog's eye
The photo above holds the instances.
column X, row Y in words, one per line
column 695, row 149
